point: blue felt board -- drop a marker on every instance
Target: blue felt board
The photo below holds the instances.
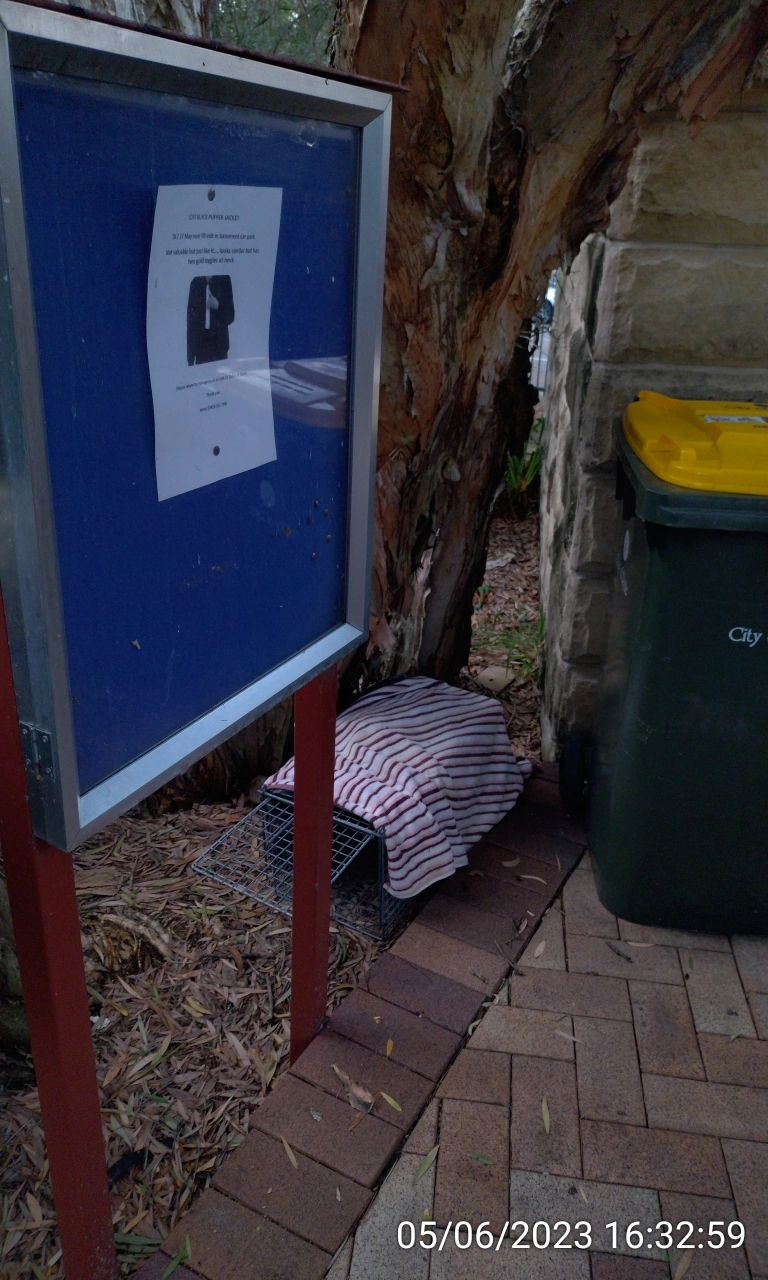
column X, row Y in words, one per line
column 210, row 584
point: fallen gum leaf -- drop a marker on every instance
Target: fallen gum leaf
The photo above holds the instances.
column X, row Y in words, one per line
column 359, row 1097
column 184, row 1255
column 617, row 951
column 289, row 1153
column 426, row 1163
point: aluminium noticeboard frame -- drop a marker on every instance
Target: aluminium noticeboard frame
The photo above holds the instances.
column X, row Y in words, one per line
column 42, row 39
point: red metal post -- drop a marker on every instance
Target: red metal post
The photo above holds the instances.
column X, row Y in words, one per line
column 41, row 892
column 314, row 754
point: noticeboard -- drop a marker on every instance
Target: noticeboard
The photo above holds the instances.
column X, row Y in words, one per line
column 190, row 310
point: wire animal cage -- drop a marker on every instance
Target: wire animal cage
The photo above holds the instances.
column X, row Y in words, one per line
column 255, row 857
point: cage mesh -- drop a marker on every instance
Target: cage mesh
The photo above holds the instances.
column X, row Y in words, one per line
column 255, row 857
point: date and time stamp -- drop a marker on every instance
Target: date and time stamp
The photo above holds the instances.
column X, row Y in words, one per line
column 612, row 1237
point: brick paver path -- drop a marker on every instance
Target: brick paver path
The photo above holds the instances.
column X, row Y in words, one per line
column 591, row 1071
column 650, row 1048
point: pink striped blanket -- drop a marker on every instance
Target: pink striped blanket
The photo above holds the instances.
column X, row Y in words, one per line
column 431, row 766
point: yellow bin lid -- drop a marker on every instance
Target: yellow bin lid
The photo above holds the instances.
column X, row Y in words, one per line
column 717, row 445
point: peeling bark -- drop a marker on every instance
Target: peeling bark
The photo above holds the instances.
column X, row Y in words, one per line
column 189, row 17
column 511, row 143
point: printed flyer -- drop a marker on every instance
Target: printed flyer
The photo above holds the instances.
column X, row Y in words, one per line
column 209, row 299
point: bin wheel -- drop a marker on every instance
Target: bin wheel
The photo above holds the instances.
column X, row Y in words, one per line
column 572, row 775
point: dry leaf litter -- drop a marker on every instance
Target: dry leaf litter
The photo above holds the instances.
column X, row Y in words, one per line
column 190, row 997
column 507, row 629
column 190, row 982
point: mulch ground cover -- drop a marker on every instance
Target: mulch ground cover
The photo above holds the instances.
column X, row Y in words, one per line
column 190, row 990
column 507, row 629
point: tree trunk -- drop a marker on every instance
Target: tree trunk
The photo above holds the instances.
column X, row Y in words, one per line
column 508, row 147
column 190, row 17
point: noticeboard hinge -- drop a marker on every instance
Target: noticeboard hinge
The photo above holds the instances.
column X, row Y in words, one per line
column 37, row 748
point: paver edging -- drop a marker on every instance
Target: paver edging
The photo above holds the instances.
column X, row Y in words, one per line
column 499, row 965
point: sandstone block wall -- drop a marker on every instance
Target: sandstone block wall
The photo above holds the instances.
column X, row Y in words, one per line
column 673, row 298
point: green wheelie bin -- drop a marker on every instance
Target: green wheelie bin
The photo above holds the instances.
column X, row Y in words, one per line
column 678, row 824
